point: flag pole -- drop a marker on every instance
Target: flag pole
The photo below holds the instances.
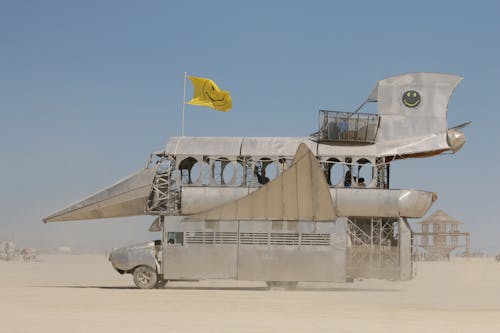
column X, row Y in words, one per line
column 184, row 103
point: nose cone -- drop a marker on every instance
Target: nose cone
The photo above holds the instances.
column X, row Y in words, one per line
column 127, row 197
column 456, row 139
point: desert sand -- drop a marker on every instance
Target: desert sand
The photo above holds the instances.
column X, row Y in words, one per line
column 82, row 293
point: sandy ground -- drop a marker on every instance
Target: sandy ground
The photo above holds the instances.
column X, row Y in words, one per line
column 82, row 293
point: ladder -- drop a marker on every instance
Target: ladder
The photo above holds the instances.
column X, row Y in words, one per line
column 165, row 194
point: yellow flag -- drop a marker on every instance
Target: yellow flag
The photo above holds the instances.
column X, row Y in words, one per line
column 206, row 93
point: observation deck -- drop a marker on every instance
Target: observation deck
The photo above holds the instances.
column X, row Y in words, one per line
column 347, row 127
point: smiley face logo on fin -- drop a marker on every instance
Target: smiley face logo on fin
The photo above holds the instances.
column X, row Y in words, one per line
column 411, row 98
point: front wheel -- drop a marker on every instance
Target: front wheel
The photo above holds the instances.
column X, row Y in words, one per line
column 145, row 277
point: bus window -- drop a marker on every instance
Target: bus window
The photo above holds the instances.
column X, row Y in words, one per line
column 175, row 238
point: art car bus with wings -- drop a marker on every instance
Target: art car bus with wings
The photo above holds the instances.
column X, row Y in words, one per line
column 285, row 210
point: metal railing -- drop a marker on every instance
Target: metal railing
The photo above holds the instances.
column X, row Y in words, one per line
column 348, row 127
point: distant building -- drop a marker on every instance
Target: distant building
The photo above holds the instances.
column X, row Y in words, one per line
column 439, row 236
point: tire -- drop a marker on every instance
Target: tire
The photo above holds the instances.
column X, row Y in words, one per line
column 281, row 285
column 161, row 283
column 145, row 277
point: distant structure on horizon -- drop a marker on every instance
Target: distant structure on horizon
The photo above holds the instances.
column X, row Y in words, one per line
column 441, row 239
column 7, row 250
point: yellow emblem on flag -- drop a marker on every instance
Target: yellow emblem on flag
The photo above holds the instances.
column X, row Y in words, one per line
column 207, row 93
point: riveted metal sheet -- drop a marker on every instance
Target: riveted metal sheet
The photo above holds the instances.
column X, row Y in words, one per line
column 213, row 146
column 197, row 199
column 274, row 146
column 189, row 260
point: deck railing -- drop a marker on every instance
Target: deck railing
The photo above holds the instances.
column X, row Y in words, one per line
column 348, row 127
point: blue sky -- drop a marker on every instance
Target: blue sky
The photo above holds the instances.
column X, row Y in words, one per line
column 89, row 88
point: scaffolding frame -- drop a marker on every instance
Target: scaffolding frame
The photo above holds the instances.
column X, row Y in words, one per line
column 165, row 195
column 374, row 248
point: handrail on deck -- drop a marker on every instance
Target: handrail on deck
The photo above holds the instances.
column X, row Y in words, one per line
column 337, row 126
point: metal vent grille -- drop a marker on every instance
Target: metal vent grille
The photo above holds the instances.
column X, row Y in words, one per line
column 263, row 238
column 226, row 238
column 315, row 239
column 259, row 238
column 284, row 239
column 199, row 237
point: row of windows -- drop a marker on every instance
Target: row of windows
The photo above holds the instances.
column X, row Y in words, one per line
column 225, row 172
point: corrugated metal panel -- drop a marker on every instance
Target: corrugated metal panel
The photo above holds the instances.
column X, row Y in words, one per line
column 236, row 146
column 274, row 146
column 214, row 146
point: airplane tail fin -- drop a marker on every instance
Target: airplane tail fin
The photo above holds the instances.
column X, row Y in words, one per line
column 413, row 109
column 413, row 105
